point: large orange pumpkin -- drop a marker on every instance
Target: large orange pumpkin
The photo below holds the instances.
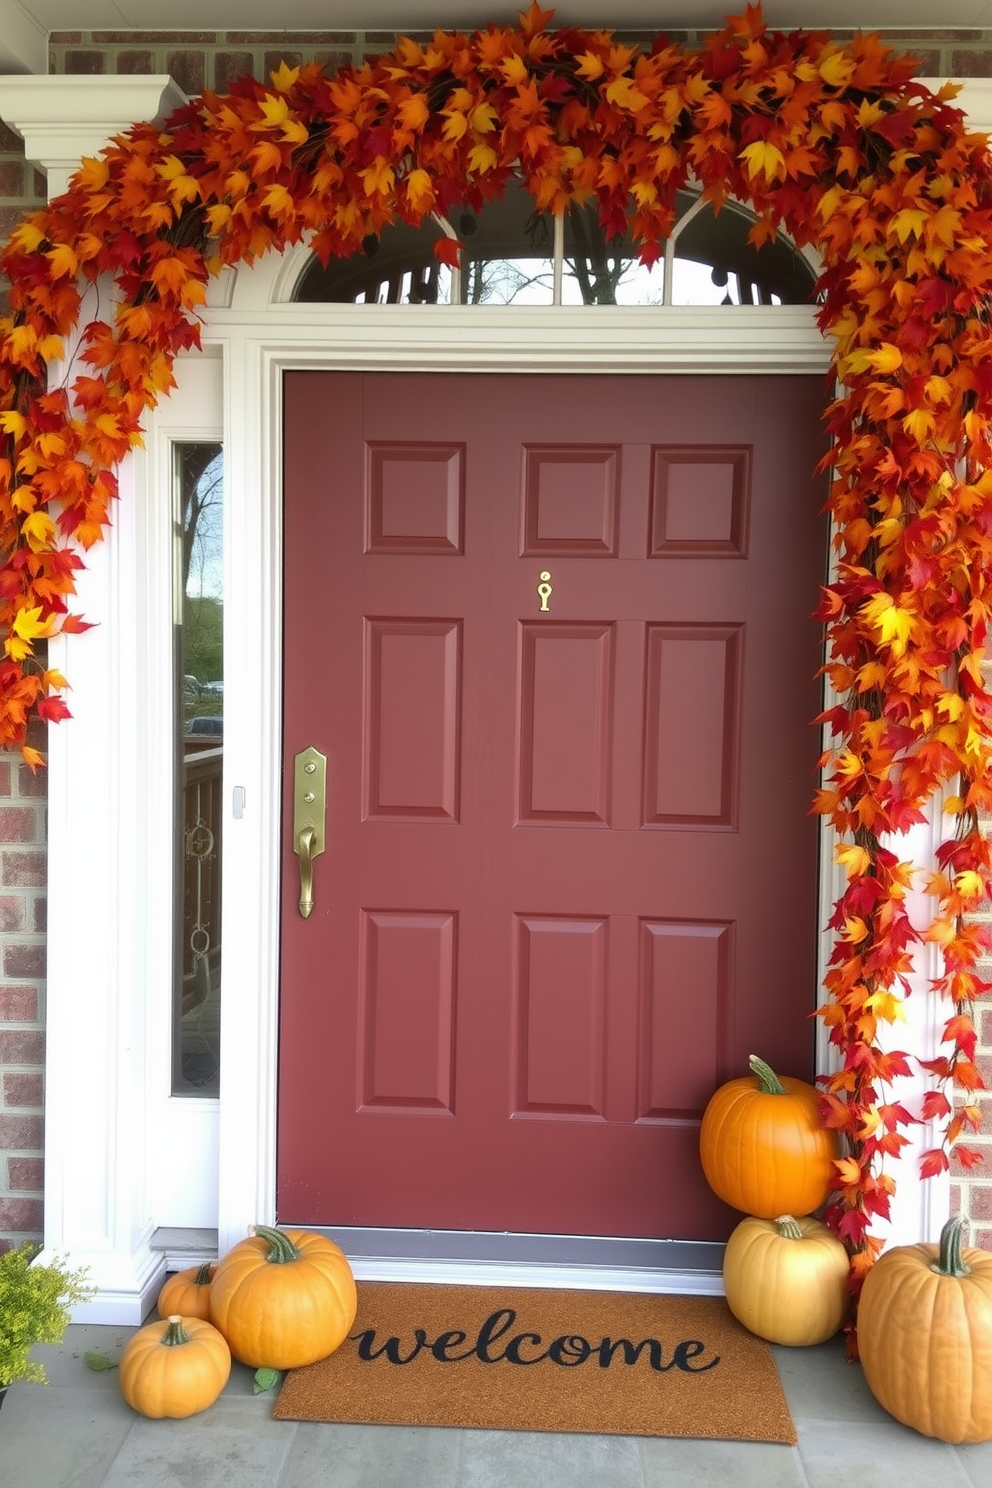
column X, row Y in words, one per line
column 174, row 1368
column 763, row 1146
column 283, row 1298
column 925, row 1336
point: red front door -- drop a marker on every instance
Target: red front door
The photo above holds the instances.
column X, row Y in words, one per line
column 552, row 635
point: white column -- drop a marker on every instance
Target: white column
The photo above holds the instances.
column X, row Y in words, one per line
column 62, row 118
column 96, row 1196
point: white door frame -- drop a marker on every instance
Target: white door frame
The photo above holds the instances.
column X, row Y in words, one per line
column 110, row 821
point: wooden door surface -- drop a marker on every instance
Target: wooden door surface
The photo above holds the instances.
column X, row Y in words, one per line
column 552, row 634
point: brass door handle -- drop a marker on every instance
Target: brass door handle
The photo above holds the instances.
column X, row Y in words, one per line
column 304, row 847
column 309, row 813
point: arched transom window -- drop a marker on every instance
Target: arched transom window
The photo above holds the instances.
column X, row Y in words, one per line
column 513, row 254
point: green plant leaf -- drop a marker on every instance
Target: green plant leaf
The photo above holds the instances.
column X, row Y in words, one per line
column 265, row 1379
column 97, row 1361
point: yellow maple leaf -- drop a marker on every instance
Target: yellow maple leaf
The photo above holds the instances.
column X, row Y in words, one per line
column 853, row 859
column 39, row 529
column 908, row 223
column 284, row 77
column 63, row 261
column 969, row 884
column 589, row 66
column 624, row 93
column 919, row 424
column 888, row 358
column 837, row 69
column 482, row 158
column 763, row 159
column 419, row 190
column 892, row 624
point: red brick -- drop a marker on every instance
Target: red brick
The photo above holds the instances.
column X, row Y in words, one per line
column 300, row 38
column 189, row 71
column 5, row 777
column 980, row 1201
column 85, row 62
column 11, row 178
column 981, row 1239
column 21, row 1214
column 21, row 1134
column 971, row 64
column 231, row 65
column 40, row 915
column 24, row 960
column 32, row 782
column 27, row 870
column 22, row 1046
column 18, row 824
column 18, row 1005
column 153, row 38
column 11, row 912
column 24, row 1090
column 26, row 1174
column 135, row 62
column 985, row 1026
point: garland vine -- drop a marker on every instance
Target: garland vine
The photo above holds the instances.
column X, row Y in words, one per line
column 834, row 142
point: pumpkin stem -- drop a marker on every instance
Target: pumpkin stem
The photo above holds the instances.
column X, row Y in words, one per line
column 788, row 1227
column 281, row 1248
column 768, row 1081
column 951, row 1262
column 175, row 1333
column 205, row 1275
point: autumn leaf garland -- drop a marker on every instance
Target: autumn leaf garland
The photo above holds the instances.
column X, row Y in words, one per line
column 834, row 143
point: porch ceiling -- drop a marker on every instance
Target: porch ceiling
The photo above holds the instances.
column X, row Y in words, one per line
column 309, row 15
column 26, row 24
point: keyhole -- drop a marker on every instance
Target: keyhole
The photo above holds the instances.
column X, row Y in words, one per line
column 544, row 590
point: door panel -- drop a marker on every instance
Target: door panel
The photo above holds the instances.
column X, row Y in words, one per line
column 552, row 634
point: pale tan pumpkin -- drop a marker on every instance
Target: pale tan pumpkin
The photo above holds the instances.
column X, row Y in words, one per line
column 787, row 1279
column 925, row 1336
column 174, row 1368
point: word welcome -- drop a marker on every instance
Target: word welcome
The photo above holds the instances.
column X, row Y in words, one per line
column 492, row 1346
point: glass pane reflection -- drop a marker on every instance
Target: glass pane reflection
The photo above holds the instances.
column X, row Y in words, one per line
column 199, row 651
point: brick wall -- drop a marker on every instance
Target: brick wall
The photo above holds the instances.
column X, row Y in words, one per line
column 212, row 59
column 22, row 992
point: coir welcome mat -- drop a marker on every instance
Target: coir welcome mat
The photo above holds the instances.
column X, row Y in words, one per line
column 532, row 1360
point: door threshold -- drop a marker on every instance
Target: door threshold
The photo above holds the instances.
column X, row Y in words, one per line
column 489, row 1258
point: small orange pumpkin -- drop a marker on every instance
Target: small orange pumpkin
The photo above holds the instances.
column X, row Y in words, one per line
column 763, row 1146
column 925, row 1336
column 174, row 1368
column 187, row 1292
column 283, row 1298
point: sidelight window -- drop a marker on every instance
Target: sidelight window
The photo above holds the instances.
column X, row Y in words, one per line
column 199, row 752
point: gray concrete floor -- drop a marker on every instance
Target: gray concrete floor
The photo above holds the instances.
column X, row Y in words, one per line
column 77, row 1432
